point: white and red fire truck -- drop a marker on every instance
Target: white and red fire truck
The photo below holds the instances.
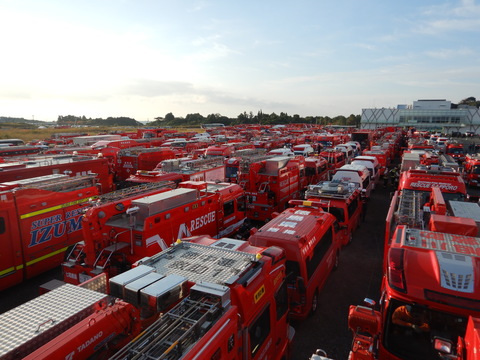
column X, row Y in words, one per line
column 311, row 240
column 200, row 299
column 39, row 219
column 429, row 291
column 121, row 228
column 342, row 200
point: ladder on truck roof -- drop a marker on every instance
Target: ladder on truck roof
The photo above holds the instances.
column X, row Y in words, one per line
column 202, row 163
column 247, row 161
column 176, row 331
column 410, row 209
column 57, row 182
column 134, row 190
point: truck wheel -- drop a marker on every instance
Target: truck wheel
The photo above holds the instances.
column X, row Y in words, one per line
column 314, row 303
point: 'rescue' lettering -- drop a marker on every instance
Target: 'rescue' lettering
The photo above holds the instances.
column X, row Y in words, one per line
column 429, row 184
column 202, row 221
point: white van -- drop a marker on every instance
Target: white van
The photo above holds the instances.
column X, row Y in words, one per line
column 357, row 174
column 281, row 152
column 303, row 149
column 356, row 147
column 372, row 164
column 347, row 150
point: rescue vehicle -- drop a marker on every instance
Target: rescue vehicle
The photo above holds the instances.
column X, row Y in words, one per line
column 217, row 299
column 348, row 150
column 472, row 170
column 342, row 200
column 316, row 169
column 128, row 161
column 335, row 158
column 73, row 165
column 358, row 174
column 382, row 156
column 39, row 219
column 303, row 149
column 372, row 164
column 312, row 244
column 422, row 179
column 271, row 183
column 429, row 291
column 239, row 164
column 236, row 306
column 124, row 227
column 182, row 169
column 364, row 137
column 456, row 151
column 224, row 150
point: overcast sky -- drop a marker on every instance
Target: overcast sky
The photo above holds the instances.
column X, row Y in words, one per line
column 146, row 58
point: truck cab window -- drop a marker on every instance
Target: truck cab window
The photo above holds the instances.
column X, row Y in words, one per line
column 228, row 208
column 281, row 300
column 259, row 331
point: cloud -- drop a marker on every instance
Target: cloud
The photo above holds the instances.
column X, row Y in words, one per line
column 445, row 18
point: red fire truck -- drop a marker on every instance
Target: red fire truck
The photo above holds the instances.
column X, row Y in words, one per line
column 312, row 244
column 223, row 150
column 182, row 169
column 39, row 220
column 128, row 161
column 236, row 308
column 472, row 170
column 335, row 158
column 271, row 183
column 422, row 179
column 123, row 228
column 456, row 151
column 72, row 165
column 429, row 290
column 218, row 299
column 343, row 201
column 316, row 169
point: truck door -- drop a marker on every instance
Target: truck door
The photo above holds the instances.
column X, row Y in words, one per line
column 11, row 259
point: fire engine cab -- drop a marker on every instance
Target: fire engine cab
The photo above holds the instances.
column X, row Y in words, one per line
column 310, row 238
column 429, row 290
column 342, row 200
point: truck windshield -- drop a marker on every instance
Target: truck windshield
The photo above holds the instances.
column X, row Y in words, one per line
column 410, row 330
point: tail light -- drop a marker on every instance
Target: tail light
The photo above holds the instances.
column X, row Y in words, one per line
column 396, row 274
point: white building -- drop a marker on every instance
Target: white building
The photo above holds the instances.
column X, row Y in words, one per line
column 435, row 115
